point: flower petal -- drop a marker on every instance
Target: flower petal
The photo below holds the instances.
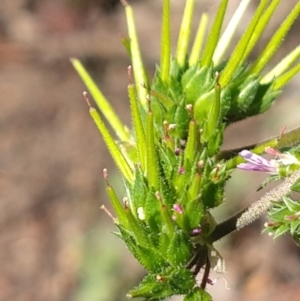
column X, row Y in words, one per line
column 256, row 162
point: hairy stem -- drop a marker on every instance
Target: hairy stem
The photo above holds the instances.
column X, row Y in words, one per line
column 226, row 227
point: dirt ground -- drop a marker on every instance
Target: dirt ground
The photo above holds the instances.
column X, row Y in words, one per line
column 55, row 243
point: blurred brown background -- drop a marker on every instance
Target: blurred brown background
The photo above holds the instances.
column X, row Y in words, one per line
column 55, row 243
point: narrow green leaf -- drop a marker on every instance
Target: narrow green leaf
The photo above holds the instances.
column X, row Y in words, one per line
column 165, row 56
column 198, row 294
column 238, row 53
column 140, row 77
column 275, row 41
column 138, row 126
column 295, row 226
column 191, row 146
column 102, row 103
column 138, row 229
column 260, row 27
column 229, row 32
column 281, row 230
column 214, row 115
column 115, row 152
column 195, row 187
column 199, row 39
column 163, row 99
column 179, row 256
column 195, row 212
column 284, row 65
column 281, row 81
column 293, row 206
column 167, row 221
column 214, row 35
column 185, row 32
column 126, row 43
column 151, row 289
column 119, row 209
column 152, row 163
column 296, row 187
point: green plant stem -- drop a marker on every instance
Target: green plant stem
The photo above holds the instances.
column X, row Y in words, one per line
column 284, row 65
column 229, row 32
column 237, row 57
column 185, row 32
column 114, row 150
column 281, row 81
column 165, row 57
column 140, row 77
column 260, row 27
column 138, row 126
column 102, row 103
column 152, row 165
column 198, row 42
column 214, row 35
column 275, row 42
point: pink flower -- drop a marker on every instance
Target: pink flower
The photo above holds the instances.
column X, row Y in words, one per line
column 257, row 163
column 178, row 208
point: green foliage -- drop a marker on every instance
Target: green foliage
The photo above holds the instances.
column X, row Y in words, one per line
column 173, row 172
column 165, row 284
column 284, row 217
column 197, row 295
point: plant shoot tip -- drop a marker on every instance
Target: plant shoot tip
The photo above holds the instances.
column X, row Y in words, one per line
column 282, row 131
column 172, row 126
column 86, row 98
column 124, row 2
column 189, row 107
column 181, row 170
column 129, row 72
column 105, row 174
column 216, row 173
column 158, row 195
column 177, row 151
column 160, row 278
column 102, row 207
column 125, row 201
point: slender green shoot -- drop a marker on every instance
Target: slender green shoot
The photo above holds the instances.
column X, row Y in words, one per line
column 137, row 124
column 281, row 81
column 275, row 41
column 185, row 32
column 119, row 209
column 111, row 145
column 140, row 77
column 102, row 103
column 152, row 164
column 214, row 35
column 165, row 58
column 237, row 55
column 191, row 146
column 260, row 27
column 229, row 32
column 199, row 39
column 284, row 65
